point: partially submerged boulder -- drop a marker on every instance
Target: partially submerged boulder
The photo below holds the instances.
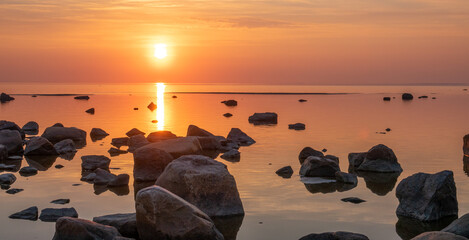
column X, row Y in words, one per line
column 98, row 134
column 427, row 197
column 68, row 228
column 335, row 236
column 319, row 167
column 6, row 98
column 12, row 140
column 137, row 141
column 7, row 179
column 93, row 162
column 348, row 178
column 232, row 155
column 57, row 134
column 65, row 146
column 205, row 183
column 40, row 146
column 149, row 163
column 28, row 171
column 160, row 136
column 308, row 151
column 119, row 142
column 125, row 223
column 379, row 158
column 285, row 172
column 134, row 132
column 193, row 130
column 27, row 214
column 263, row 118
column 239, row 137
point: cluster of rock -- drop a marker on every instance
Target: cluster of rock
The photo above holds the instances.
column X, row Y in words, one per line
column 95, row 169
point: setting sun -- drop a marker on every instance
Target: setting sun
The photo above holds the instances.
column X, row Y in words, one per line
column 160, row 51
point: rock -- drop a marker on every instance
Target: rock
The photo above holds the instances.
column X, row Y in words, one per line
column 178, row 146
column 465, row 145
column 233, row 154
column 125, row 223
column 227, row 115
column 39, row 146
column 28, row 171
column 52, row 214
column 319, row 167
column 163, row 215
column 210, row 143
column 98, row 134
column 352, row 200
column 407, row 96
column 27, row 214
column 154, row 121
column 61, row 201
column 3, row 153
column 459, row 227
column 263, row 118
column 346, row 178
column 93, row 162
column 152, row 106
column 285, row 172
column 174, row 96
column 438, row 236
column 14, row 190
column 379, row 158
column 90, row 111
column 333, row 158
column 408, row 228
column 160, row 136
column 355, row 160
column 302, row 100
column 136, row 109
column 205, row 183
column 58, row 125
column 149, row 163
column 57, row 134
column 193, row 130
column 103, row 177
column 388, row 129
column 31, row 127
column 89, row 177
column 120, row 180
column 65, row 146
column 137, row 141
column 424, row 96
column 68, row 228
column 119, row 142
column 230, row 103
column 134, row 132
column 427, row 197
column 12, row 140
column 115, row 152
column 306, row 152
column 227, row 145
column 379, row 183
column 335, row 236
column 297, row 126
column 7, row 167
column 239, row 137
column 6, row 98
column 386, row 99
column 82, row 97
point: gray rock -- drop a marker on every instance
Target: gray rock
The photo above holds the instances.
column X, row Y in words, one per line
column 58, row 125
column 119, row 142
column 103, row 177
column 306, row 152
column 285, row 172
column 12, row 140
column 125, row 223
column 57, row 134
column 193, row 130
column 120, row 180
column 14, row 190
column 134, row 132
column 227, row 115
column 31, row 127
column 239, row 137
column 137, row 141
column 352, row 200
column 379, row 158
column 319, row 167
column 427, row 197
column 335, row 236
column 160, row 136
column 149, row 163
column 297, row 126
column 68, row 228
column 438, row 236
column 28, row 171
column 65, row 146
column 27, row 214
column 231, row 155
column 230, row 103
column 346, row 178
column 459, row 226
column 93, row 162
column 52, row 214
column 39, row 146
column 163, row 215
column 7, row 179
column 263, row 118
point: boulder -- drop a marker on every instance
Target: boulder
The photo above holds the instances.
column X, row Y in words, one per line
column 355, row 159
column 134, row 132
column 178, row 146
column 93, row 162
column 119, row 142
column 407, row 96
column 65, row 146
column 82, row 97
column 39, row 146
column 459, row 226
column 88, row 177
column 3, row 153
column 120, row 180
column 68, row 228
column 346, row 178
column 149, row 163
column 57, row 134
column 306, row 152
column 231, row 155
column 12, row 140
column 6, row 98
column 263, row 118
column 239, row 137
column 227, row 145
column 58, row 125
column 297, row 126
column 335, row 236
column 52, row 214
column 98, row 134
column 427, row 197
column 27, row 214
column 163, row 215
column 115, row 151
column 438, row 236
column 193, row 130
column 28, row 171
column 152, row 106
column 103, row 177
column 205, row 183
column 31, row 127
column 7, row 125
column 379, row 158
column 354, row 200
column 137, row 141
column 285, row 172
column 230, row 103
column 90, row 111
column 160, row 136
column 125, row 223
column 319, row 167
column 210, row 143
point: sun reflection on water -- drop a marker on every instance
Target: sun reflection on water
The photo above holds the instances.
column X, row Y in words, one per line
column 160, row 87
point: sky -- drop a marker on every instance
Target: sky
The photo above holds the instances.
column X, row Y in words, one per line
column 235, row 41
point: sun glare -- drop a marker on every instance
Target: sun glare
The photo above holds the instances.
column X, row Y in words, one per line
column 160, row 51
column 160, row 88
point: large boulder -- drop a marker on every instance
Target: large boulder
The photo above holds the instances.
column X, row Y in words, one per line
column 125, row 223
column 119, row 142
column 379, row 158
column 178, row 146
column 193, row 130
column 263, row 118
column 67, row 228
column 239, row 137
column 335, row 236
column 427, row 197
column 39, row 146
column 149, row 163
column 319, row 167
column 65, row 146
column 205, row 183
column 163, row 215
column 12, row 140
column 210, row 143
column 438, row 236
column 308, row 151
column 137, row 141
column 93, row 162
column 57, row 134
column 459, row 226
column 160, row 136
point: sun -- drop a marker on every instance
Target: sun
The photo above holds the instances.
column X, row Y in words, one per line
column 160, row 51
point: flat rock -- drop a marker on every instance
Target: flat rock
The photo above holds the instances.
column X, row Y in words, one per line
column 125, row 223
column 61, row 201
column 149, row 163
column 28, row 171
column 52, row 214
column 93, row 162
column 438, row 236
column 227, row 115
column 297, row 126
column 39, row 146
column 119, row 142
column 57, row 134
column 239, row 137
column 335, row 236
column 27, row 214
column 231, row 155
column 14, row 190
column 263, row 118
column 308, row 151
column 68, row 228
column 7, row 179
column 285, row 172
column 12, row 140
column 352, row 200
column 134, row 132
column 319, row 167
column 230, row 103
column 160, row 136
column 65, row 146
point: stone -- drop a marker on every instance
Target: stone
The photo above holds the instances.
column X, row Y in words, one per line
column 149, row 163
column 346, row 178
column 3, row 153
column 58, row 125
column 230, row 103
column 335, row 236
column 306, row 152
column 125, row 223
column 297, row 126
column 115, row 152
column 90, row 111
column 205, row 183
column 39, row 146
column 119, row 142
column 459, row 226
column 103, row 177
column 12, row 140
column 302, row 100
column 98, row 134
column 7, row 167
column 227, row 115
column 57, row 134
column 66, row 146
column 210, row 143
column 52, row 214
column 14, row 190
column 193, row 130
column 388, row 129
column 407, row 96
column 89, row 177
column 61, row 201
column 233, row 154
column 67, row 228
column 152, row 106
column 82, row 97
column 174, row 96
column 178, row 146
column 386, row 99
column 263, row 118
column 120, row 180
column 239, row 137
column 134, row 132
column 93, row 162
column 163, row 215
column 136, row 142
column 333, row 158
column 379, row 158
column 31, row 127
column 355, row 159
column 354, row 200
column 6, row 98
column 27, row 214
column 226, row 145
column 285, row 172
column 160, row 136
column 427, row 197
column 28, row 171
column 319, row 167
column 438, row 236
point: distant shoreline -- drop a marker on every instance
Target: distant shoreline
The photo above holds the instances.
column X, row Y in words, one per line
column 227, row 93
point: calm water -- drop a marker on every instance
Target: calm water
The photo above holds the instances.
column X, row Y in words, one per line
column 426, row 137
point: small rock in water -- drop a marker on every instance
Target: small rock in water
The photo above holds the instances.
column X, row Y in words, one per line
column 285, row 172
column 228, row 115
column 230, row 103
column 308, row 151
column 353, row 200
column 119, row 142
column 5, row 98
column 34, row 96
column 31, row 127
column 152, row 106
column 297, row 126
column 98, row 134
column 407, row 96
column 135, row 109
column 134, row 132
column 89, row 177
column 59, row 166
column 27, row 214
column 93, row 162
column 28, row 171
column 388, row 129
column 302, row 100
column 103, row 177
column 82, row 97
column 324, row 150
column 76, row 184
column 40, row 146
column 114, row 151
column 68, row 228
column 154, row 121
column 433, row 97
column 386, row 99
column 52, row 214
column 90, row 111
column 61, row 201
column 174, row 96
column 14, row 190
column 65, row 146
column 424, row 96
column 263, row 118
column 7, row 179
column 231, row 155
column 239, row 137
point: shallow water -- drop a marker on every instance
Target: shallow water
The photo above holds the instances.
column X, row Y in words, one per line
column 426, row 136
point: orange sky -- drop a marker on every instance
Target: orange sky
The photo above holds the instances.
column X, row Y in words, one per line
column 236, row 41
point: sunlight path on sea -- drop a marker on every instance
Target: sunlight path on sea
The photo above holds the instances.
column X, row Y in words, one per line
column 160, row 87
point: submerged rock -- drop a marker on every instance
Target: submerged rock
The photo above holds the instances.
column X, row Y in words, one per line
column 427, row 197
column 306, row 152
column 103, row 177
column 285, row 172
column 149, row 163
column 335, row 236
column 231, row 155
column 319, row 167
column 65, row 146
column 263, row 118
column 120, row 180
column 93, row 162
column 52, row 214
column 12, row 140
column 408, row 228
column 14, row 190
column 68, row 228
column 57, row 134
column 134, row 132
column 125, row 223
column 297, row 126
column 28, row 171
column 230, row 103
column 352, row 200
column 115, row 152
column 39, row 146
column 227, row 115
column 160, row 136
column 27, row 214
column 239, row 137
column 438, row 236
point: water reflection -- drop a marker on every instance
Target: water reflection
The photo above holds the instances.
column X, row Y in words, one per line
column 229, row 226
column 160, row 88
column 41, row 163
column 407, row 228
column 323, row 185
column 379, row 183
column 465, row 161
